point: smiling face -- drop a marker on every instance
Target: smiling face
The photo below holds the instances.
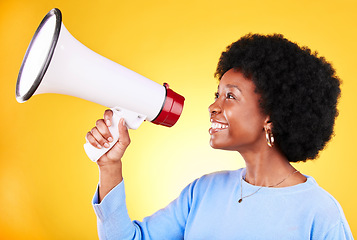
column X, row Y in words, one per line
column 237, row 119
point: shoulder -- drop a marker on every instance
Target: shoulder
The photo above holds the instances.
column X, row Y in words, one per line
column 220, row 177
column 216, row 182
column 321, row 199
column 325, row 210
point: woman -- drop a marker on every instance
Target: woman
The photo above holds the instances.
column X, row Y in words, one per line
column 275, row 104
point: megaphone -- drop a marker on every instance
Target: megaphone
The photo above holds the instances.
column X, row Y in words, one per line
column 55, row 62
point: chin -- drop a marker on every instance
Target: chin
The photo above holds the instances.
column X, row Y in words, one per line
column 220, row 146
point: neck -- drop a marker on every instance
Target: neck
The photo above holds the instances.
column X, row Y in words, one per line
column 267, row 168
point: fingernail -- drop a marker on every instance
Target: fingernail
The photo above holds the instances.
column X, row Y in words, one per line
column 98, row 146
column 123, row 122
column 108, row 123
column 110, row 139
column 106, row 145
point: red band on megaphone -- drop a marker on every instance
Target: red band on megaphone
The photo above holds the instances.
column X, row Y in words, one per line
column 171, row 109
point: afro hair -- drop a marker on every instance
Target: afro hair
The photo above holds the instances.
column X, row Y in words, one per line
column 299, row 90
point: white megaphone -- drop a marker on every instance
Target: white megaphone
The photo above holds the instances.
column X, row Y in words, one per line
column 55, row 62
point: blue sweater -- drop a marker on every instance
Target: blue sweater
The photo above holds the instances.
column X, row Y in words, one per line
column 208, row 208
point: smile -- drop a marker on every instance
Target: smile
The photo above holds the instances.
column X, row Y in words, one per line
column 216, row 127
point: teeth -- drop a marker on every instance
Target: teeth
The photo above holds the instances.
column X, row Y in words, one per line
column 218, row 125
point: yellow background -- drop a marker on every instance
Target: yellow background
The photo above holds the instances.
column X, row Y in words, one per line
column 46, row 180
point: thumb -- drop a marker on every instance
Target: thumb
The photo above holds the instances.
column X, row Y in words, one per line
column 124, row 138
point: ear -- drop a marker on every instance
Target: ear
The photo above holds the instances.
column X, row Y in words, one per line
column 268, row 124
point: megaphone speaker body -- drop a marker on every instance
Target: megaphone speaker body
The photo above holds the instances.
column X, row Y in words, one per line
column 55, row 62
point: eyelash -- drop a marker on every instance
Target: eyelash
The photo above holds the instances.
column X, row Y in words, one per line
column 228, row 96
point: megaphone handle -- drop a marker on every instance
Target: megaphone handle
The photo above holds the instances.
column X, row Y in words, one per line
column 132, row 121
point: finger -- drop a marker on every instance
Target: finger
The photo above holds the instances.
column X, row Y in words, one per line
column 124, row 138
column 92, row 140
column 99, row 138
column 104, row 130
column 124, row 141
column 108, row 115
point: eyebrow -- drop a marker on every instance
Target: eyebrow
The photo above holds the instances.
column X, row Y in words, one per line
column 232, row 86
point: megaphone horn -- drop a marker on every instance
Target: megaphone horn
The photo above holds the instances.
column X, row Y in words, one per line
column 55, row 62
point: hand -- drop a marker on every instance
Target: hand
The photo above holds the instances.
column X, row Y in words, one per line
column 100, row 137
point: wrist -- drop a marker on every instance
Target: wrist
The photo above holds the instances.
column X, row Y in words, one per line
column 110, row 175
column 111, row 172
column 109, row 165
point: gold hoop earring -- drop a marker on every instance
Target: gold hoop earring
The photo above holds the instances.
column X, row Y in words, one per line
column 270, row 138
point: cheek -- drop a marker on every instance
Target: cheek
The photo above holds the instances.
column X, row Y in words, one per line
column 247, row 124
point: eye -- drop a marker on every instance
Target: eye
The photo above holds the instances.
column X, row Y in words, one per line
column 216, row 95
column 230, row 96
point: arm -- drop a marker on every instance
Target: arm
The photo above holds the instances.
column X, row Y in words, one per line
column 110, row 165
column 167, row 223
column 340, row 231
column 109, row 200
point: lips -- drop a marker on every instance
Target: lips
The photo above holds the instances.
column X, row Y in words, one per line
column 217, row 127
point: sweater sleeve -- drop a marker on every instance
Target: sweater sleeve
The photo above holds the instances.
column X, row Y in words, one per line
column 340, row 231
column 114, row 223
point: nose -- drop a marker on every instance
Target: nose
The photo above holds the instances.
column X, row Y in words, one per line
column 214, row 108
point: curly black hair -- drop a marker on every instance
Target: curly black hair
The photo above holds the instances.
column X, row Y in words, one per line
column 299, row 90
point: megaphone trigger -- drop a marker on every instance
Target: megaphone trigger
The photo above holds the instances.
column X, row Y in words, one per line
column 132, row 121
